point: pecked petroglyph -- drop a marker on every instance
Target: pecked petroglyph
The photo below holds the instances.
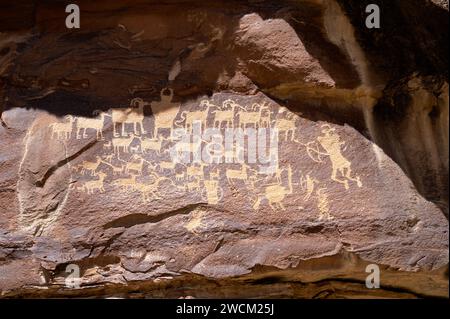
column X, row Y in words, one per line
column 62, row 130
column 331, row 144
column 144, row 152
column 96, row 124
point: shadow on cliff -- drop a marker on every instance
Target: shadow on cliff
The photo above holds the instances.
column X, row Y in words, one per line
column 101, row 67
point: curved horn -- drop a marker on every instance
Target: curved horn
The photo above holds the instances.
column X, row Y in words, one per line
column 163, row 96
column 136, row 101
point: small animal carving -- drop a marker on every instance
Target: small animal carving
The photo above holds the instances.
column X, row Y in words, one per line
column 232, row 174
column 132, row 115
column 166, row 166
column 151, row 144
column 83, row 124
column 90, row 167
column 195, row 171
column 122, row 144
column 136, row 166
column 91, row 186
column 276, row 193
column 286, row 125
column 125, row 183
column 62, row 130
column 107, row 146
column 223, row 116
column 251, row 117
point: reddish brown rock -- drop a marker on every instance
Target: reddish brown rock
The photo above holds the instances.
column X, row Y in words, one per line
column 79, row 189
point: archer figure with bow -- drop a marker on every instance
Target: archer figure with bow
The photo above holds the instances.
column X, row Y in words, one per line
column 329, row 144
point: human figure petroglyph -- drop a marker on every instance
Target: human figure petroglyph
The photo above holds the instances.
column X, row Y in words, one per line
column 307, row 183
column 276, row 193
column 91, row 186
column 97, row 124
column 331, row 143
column 63, row 130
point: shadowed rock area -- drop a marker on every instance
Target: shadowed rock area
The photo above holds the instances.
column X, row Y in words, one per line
column 223, row 149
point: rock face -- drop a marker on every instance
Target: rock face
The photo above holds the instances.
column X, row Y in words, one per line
column 221, row 149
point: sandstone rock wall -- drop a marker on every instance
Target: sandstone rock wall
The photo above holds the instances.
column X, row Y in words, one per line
column 348, row 165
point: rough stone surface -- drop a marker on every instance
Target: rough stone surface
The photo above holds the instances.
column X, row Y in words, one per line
column 358, row 175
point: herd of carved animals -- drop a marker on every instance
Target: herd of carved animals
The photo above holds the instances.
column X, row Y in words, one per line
column 165, row 114
column 126, row 164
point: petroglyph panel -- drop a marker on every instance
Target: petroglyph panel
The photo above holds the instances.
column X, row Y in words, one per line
column 209, row 148
column 166, row 144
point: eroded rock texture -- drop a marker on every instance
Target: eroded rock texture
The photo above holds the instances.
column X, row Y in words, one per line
column 348, row 164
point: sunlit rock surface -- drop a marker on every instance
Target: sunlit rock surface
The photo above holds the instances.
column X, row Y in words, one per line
column 344, row 161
